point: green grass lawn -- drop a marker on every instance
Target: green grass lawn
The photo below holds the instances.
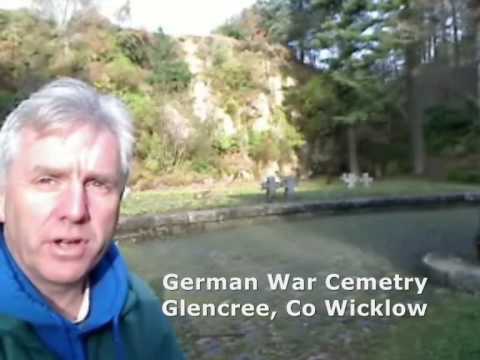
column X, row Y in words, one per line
column 231, row 195
column 450, row 332
column 366, row 244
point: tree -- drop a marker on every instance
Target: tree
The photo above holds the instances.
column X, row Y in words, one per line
column 277, row 20
column 335, row 100
column 61, row 12
column 347, row 34
column 474, row 6
column 124, row 13
column 342, row 37
column 301, row 15
column 170, row 72
column 409, row 19
column 391, row 41
column 246, row 25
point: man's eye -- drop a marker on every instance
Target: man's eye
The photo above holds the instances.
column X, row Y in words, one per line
column 46, row 180
column 97, row 184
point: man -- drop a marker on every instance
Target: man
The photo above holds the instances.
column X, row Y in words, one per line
column 66, row 293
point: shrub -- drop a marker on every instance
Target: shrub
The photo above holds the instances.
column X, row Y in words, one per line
column 69, row 64
column 124, row 73
column 448, row 118
column 263, row 147
column 231, row 106
column 276, row 144
column 447, row 127
column 7, row 103
column 233, row 72
column 154, row 146
column 464, row 176
column 172, row 76
column 232, row 30
column 221, row 53
column 204, row 166
column 133, row 45
column 143, row 108
column 224, row 144
column 169, row 73
column 235, row 76
column 101, row 45
column 292, row 138
column 472, row 142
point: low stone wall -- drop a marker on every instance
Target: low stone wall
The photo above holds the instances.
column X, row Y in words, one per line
column 452, row 271
column 141, row 227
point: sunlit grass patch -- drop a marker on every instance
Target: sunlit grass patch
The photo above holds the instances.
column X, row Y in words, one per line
column 232, row 195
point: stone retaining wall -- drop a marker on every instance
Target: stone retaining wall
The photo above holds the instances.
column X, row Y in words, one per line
column 453, row 271
column 140, row 227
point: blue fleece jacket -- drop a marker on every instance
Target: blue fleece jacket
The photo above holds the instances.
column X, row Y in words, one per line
column 108, row 292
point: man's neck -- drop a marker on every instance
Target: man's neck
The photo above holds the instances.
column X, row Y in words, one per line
column 66, row 300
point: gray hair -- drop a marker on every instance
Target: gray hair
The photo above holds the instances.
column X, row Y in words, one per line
column 66, row 102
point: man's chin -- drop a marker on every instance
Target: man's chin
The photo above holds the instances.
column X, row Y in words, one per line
column 67, row 275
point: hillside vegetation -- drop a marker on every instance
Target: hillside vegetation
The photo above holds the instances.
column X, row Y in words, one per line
column 239, row 105
column 395, row 86
column 205, row 108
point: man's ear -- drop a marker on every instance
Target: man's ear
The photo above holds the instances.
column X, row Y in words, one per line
column 2, row 206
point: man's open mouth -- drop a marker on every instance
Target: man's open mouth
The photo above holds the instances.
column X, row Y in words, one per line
column 68, row 242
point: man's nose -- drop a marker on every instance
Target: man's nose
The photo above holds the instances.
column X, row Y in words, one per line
column 73, row 205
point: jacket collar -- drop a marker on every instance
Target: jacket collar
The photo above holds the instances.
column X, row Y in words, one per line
column 19, row 299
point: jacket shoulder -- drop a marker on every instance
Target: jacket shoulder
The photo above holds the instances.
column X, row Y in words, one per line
column 146, row 324
column 19, row 341
column 141, row 288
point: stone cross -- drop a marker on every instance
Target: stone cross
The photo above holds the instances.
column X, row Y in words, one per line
column 350, row 179
column 289, row 183
column 366, row 180
column 270, row 185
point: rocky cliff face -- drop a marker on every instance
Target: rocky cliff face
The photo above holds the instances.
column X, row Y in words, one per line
column 203, row 106
column 239, row 89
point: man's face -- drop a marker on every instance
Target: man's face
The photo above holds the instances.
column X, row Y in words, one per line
column 61, row 202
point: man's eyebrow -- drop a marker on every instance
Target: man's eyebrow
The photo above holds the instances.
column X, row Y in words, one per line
column 108, row 178
column 103, row 176
column 42, row 169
